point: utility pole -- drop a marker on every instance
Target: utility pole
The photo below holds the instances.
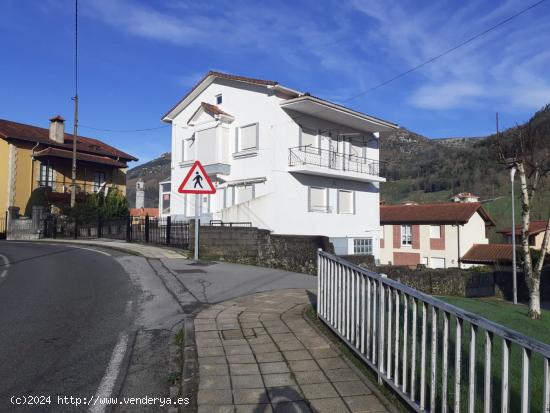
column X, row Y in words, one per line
column 75, row 99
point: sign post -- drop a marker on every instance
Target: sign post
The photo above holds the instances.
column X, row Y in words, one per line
column 197, row 182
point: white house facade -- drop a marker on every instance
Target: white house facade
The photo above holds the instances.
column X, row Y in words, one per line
column 435, row 235
column 281, row 159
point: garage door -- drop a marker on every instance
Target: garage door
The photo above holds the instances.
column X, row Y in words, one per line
column 437, row 262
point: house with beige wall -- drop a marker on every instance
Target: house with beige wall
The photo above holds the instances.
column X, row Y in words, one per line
column 435, row 235
column 535, row 234
column 33, row 158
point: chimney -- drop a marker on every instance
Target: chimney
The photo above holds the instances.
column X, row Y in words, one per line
column 140, row 194
column 57, row 129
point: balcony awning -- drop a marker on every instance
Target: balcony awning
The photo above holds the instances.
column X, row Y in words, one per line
column 319, row 108
column 61, row 153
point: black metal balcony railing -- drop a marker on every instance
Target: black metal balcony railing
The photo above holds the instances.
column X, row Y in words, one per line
column 64, row 187
column 324, row 158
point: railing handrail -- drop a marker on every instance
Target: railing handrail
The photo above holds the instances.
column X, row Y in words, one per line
column 502, row 331
column 315, row 149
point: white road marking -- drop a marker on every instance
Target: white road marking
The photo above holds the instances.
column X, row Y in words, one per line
column 6, row 266
column 109, row 378
column 94, row 250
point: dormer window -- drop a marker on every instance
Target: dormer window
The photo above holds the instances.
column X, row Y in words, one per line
column 219, row 99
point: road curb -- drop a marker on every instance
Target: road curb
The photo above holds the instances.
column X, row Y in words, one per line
column 107, row 246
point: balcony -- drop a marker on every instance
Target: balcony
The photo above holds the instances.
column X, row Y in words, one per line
column 323, row 162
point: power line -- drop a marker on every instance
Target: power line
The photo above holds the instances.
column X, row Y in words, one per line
column 124, row 130
column 446, row 52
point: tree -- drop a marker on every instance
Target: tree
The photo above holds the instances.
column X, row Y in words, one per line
column 524, row 149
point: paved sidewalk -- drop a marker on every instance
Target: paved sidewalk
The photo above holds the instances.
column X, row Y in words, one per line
column 145, row 250
column 258, row 354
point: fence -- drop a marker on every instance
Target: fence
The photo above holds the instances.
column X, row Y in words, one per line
column 153, row 230
column 378, row 318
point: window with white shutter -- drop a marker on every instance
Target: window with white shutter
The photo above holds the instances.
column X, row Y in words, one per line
column 309, row 138
column 318, row 199
column 247, row 138
column 435, row 231
column 345, row 202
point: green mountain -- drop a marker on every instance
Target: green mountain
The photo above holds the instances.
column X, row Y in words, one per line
column 431, row 170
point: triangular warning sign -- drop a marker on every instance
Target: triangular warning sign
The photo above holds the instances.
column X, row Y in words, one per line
column 196, row 181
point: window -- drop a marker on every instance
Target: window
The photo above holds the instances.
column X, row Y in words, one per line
column 438, row 262
column 425, row 261
column 318, row 199
column 357, row 148
column 244, row 193
column 309, row 137
column 219, row 99
column 166, row 203
column 166, row 187
column 435, row 231
column 406, row 234
column 346, row 202
column 46, row 175
column 207, row 150
column 99, row 180
column 188, row 148
column 247, row 137
column 362, row 246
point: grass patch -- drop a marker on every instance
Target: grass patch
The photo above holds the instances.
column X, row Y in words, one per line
column 311, row 315
column 508, row 314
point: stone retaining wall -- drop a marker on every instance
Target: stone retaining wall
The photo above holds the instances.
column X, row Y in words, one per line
column 249, row 245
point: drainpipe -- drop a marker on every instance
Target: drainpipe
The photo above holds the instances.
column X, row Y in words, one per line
column 32, row 163
column 458, row 243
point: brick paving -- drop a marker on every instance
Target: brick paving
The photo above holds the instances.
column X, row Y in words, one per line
column 258, row 354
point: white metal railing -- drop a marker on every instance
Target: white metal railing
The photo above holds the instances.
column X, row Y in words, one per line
column 397, row 331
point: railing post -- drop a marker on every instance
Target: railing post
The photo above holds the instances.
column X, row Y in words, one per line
column 54, row 231
column 168, row 229
column 75, row 227
column 99, row 226
column 128, row 228
column 146, row 228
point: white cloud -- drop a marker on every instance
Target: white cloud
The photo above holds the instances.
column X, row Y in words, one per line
column 447, row 95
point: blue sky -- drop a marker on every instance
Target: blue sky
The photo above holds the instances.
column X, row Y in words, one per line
column 137, row 58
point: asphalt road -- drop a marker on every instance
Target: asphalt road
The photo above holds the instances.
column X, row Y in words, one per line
column 63, row 310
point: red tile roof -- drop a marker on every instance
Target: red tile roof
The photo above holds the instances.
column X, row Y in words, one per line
column 488, row 254
column 210, row 109
column 66, row 154
column 442, row 213
column 535, row 227
column 21, row 131
column 141, row 212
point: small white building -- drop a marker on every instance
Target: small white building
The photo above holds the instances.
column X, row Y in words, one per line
column 436, row 235
column 281, row 159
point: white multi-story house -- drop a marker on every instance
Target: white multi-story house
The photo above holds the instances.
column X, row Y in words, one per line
column 281, row 159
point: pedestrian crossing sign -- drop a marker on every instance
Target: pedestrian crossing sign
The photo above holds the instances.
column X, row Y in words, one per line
column 197, row 181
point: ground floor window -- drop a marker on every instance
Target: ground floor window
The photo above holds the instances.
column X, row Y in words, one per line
column 362, row 246
column 346, row 202
column 437, row 262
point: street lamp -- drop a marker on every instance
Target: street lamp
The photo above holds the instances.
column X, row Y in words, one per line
column 514, row 275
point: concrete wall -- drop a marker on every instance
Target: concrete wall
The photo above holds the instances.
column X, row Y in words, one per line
column 260, row 247
column 282, row 200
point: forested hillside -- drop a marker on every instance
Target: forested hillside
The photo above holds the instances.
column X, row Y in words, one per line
column 431, row 170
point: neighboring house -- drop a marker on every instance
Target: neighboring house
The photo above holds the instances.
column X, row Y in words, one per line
column 32, row 157
column 435, row 235
column 465, row 197
column 143, row 212
column 281, row 159
column 535, row 233
column 164, row 197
